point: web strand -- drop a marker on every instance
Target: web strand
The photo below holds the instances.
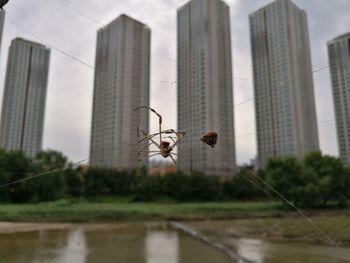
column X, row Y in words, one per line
column 300, row 211
column 37, row 175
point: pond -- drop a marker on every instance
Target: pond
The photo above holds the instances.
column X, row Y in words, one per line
column 142, row 243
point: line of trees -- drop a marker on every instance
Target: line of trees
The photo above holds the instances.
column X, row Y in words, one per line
column 15, row 166
column 61, row 180
column 316, row 181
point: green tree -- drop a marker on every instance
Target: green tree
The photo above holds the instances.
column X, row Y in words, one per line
column 16, row 167
column 178, row 186
column 295, row 182
column 102, row 181
column 205, row 188
column 198, row 187
column 332, row 177
column 244, row 186
column 74, row 183
column 4, row 177
column 147, row 188
column 51, row 186
column 51, row 160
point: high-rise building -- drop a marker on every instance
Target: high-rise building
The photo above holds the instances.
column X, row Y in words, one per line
column 24, row 101
column 205, row 96
column 122, row 83
column 339, row 61
column 2, row 21
column 283, row 83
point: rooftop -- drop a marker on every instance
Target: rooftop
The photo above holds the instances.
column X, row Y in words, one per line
column 346, row 35
column 124, row 16
column 19, row 39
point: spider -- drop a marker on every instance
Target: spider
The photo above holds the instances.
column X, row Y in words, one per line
column 210, row 138
column 165, row 148
column 2, row 3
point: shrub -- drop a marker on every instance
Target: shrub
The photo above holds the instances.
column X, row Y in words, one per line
column 244, row 186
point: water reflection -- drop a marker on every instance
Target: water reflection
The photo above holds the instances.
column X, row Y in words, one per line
column 258, row 251
column 253, row 250
column 75, row 250
column 131, row 243
column 58, row 247
column 162, row 247
column 145, row 243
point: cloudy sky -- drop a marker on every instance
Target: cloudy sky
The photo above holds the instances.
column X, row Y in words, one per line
column 71, row 25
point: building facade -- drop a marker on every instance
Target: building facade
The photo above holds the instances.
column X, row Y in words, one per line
column 122, row 79
column 24, row 100
column 283, row 83
column 339, row 61
column 205, row 96
column 2, row 22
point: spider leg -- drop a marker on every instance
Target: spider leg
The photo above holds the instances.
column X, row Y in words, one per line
column 143, row 132
column 160, row 119
column 147, row 152
column 172, row 139
column 164, row 132
column 153, row 141
column 179, row 136
column 138, row 131
column 147, row 137
column 146, row 147
column 170, row 131
column 172, row 158
column 147, row 157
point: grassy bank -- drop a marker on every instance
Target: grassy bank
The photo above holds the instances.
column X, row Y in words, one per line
column 106, row 210
column 116, row 209
column 328, row 228
column 231, row 219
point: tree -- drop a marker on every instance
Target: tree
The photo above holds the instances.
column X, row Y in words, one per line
column 333, row 178
column 147, row 188
column 4, row 177
column 178, row 186
column 295, row 182
column 205, row 188
column 75, row 183
column 51, row 186
column 51, row 160
column 244, row 186
column 16, row 166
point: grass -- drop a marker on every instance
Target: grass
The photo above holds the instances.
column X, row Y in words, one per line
column 328, row 228
column 112, row 209
column 239, row 219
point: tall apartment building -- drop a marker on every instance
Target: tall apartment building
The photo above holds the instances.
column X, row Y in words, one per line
column 122, row 83
column 24, row 100
column 2, row 22
column 283, row 83
column 339, row 61
column 205, row 96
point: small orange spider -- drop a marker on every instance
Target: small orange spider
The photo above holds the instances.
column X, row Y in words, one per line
column 210, row 138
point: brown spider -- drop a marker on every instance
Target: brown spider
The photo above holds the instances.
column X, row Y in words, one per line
column 165, row 149
column 210, row 138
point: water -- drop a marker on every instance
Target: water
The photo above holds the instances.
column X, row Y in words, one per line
column 144, row 243
column 246, row 250
column 258, row 251
column 125, row 243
